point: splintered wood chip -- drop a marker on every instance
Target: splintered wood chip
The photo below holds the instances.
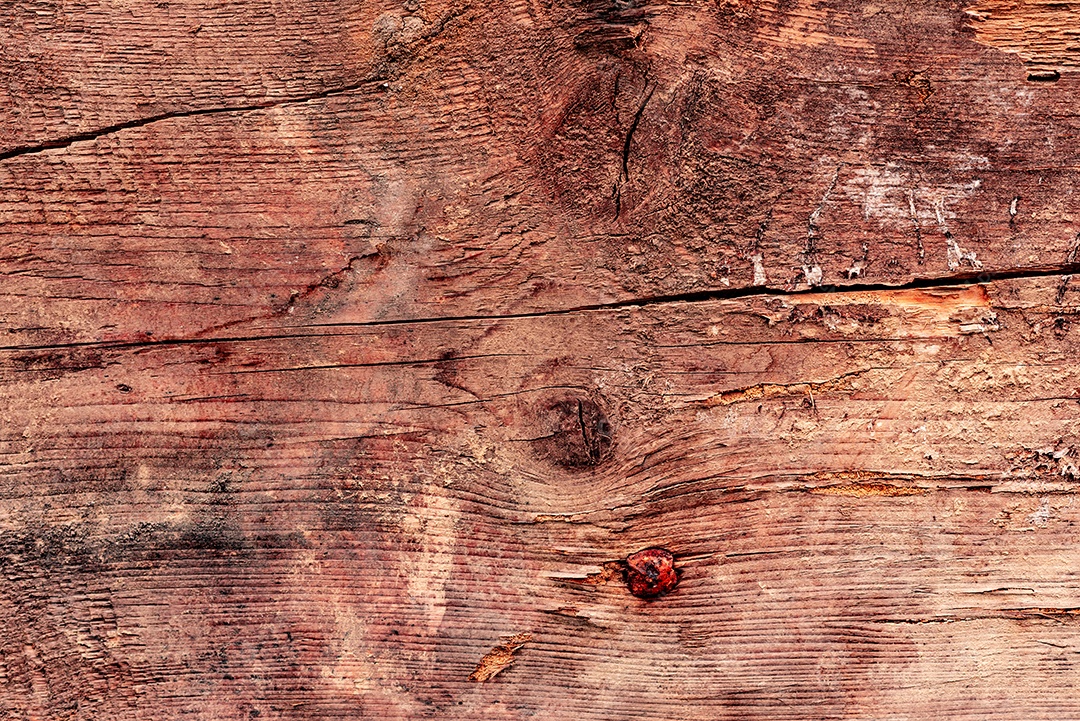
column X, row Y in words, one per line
column 499, row 658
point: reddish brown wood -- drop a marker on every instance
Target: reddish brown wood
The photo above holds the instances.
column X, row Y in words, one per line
column 491, row 161
column 353, row 349
column 352, row 519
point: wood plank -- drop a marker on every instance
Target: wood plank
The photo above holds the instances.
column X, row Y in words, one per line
column 88, row 68
column 524, row 158
column 345, row 521
column 352, row 348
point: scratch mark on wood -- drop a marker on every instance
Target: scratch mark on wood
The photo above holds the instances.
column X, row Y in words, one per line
column 811, row 222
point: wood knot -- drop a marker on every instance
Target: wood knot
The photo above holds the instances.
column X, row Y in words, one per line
column 576, row 433
column 651, row 573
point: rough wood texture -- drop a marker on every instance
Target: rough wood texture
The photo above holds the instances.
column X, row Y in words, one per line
column 351, row 348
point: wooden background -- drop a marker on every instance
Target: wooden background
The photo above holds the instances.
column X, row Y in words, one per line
column 348, row 347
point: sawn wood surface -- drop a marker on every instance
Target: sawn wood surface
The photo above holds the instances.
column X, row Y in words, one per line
column 349, row 349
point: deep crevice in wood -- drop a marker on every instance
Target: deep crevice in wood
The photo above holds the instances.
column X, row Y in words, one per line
column 1064, row 270
column 950, row 281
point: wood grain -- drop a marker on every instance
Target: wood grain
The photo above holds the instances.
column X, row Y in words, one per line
column 780, row 147
column 352, row 348
column 1042, row 33
column 351, row 519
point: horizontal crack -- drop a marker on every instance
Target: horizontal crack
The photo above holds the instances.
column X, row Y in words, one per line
column 68, row 141
column 952, row 281
column 378, row 77
column 377, row 364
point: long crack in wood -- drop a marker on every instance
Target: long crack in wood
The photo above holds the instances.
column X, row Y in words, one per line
column 953, row 281
column 372, row 81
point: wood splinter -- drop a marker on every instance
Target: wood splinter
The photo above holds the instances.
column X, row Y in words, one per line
column 499, row 658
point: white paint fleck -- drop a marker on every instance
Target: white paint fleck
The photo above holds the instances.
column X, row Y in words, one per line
column 1042, row 513
column 939, row 213
column 957, row 256
column 954, row 254
column 759, row 269
column 892, row 195
column 429, row 568
column 813, row 275
column 970, row 162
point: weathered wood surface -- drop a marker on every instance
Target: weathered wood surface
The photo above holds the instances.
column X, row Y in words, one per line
column 350, row 347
